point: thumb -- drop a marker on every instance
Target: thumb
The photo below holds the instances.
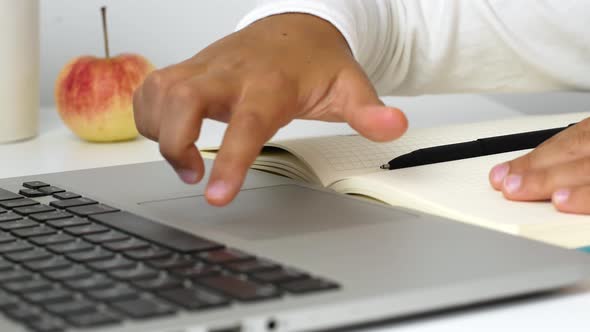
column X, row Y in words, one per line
column 366, row 113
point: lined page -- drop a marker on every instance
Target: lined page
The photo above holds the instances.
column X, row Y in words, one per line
column 338, row 157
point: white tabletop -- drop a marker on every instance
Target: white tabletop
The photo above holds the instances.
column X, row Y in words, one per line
column 56, row 149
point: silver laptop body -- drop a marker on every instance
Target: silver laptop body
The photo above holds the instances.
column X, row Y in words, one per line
column 377, row 262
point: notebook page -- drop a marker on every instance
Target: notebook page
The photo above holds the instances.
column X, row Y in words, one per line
column 338, row 157
column 459, row 190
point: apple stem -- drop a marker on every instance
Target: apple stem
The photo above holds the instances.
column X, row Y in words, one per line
column 103, row 11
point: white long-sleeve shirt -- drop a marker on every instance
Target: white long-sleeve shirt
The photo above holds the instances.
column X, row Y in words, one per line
column 410, row 47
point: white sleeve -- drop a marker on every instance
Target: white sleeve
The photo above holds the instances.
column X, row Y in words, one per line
column 410, row 47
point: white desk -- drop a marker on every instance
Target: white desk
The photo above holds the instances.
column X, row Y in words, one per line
column 56, row 149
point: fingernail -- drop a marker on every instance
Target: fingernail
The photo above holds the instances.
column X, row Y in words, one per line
column 218, row 190
column 561, row 196
column 187, row 175
column 512, row 183
column 499, row 172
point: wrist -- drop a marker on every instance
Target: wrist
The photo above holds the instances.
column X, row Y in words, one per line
column 314, row 31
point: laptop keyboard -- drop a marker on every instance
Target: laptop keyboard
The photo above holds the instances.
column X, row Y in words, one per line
column 79, row 263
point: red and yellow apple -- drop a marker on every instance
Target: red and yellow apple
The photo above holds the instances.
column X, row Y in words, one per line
column 94, row 96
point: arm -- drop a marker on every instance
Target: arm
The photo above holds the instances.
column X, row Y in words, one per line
column 410, row 47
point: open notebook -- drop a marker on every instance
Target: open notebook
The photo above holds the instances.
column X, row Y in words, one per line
column 458, row 189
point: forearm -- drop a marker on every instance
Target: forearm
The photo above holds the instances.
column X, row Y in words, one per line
column 438, row 46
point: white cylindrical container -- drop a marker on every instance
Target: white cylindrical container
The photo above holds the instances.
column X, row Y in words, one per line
column 19, row 69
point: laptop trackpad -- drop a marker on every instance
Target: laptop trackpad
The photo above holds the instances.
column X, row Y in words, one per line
column 272, row 212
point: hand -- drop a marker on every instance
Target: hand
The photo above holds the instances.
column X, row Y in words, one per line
column 558, row 169
column 258, row 79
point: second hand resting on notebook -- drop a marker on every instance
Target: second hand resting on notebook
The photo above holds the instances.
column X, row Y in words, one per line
column 299, row 66
column 559, row 169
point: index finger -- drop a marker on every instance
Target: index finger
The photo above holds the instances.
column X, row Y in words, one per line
column 252, row 124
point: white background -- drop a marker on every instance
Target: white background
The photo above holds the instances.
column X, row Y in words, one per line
column 168, row 31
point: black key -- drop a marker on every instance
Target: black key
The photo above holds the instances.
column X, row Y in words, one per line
column 35, row 184
column 194, row 298
column 93, row 319
column 240, row 289
column 15, row 275
column 17, row 224
column 34, row 231
column 130, row 244
column 171, row 262
column 86, row 229
column 29, row 255
column 51, row 239
column 5, row 237
column 9, row 216
column 97, row 254
column 18, row 203
column 53, row 263
column 161, row 283
column 116, row 293
column 50, row 190
column 148, row 253
column 70, row 273
column 15, row 246
column 197, row 270
column 53, row 295
column 40, row 208
column 143, row 308
column 139, row 272
column 8, row 301
column 278, row 276
column 94, row 282
column 6, row 195
column 224, row 256
column 118, row 262
column 89, row 210
column 252, row 266
column 152, row 231
column 54, row 215
column 111, row 236
column 47, row 325
column 31, row 193
column 70, row 222
column 308, row 286
column 6, row 265
column 29, row 286
column 68, row 203
column 78, row 306
column 24, row 312
column 66, row 195
column 64, row 248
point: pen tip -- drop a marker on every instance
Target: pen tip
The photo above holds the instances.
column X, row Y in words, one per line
column 384, row 166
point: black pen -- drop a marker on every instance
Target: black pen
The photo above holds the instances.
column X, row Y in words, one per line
column 472, row 149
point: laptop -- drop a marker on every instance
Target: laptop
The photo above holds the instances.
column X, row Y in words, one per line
column 131, row 248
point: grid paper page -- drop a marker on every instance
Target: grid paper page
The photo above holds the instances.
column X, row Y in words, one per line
column 337, row 157
column 346, row 153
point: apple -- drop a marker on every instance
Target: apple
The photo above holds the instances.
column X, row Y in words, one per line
column 94, row 96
